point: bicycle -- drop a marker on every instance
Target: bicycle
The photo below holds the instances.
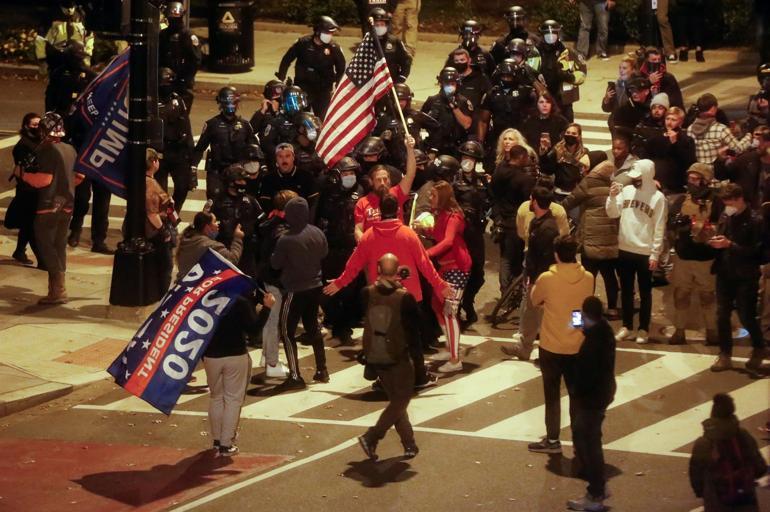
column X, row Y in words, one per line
column 509, row 301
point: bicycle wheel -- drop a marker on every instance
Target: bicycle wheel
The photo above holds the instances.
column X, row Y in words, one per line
column 508, row 303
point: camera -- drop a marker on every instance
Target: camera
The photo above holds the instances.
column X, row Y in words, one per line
column 403, row 272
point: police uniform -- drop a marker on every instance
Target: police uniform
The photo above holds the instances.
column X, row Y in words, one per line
column 473, row 197
column 177, row 148
column 336, row 219
column 507, row 109
column 318, row 68
column 397, row 58
column 562, row 83
column 449, row 134
column 65, row 84
column 474, row 86
column 260, row 120
column 179, row 50
column 499, row 50
column 301, row 182
column 278, row 129
column 389, row 123
column 245, row 210
column 228, row 139
column 480, row 59
column 64, row 29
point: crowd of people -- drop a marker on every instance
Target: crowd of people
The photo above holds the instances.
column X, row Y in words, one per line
column 681, row 196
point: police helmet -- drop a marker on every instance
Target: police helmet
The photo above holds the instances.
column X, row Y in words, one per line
column 175, row 10
column 273, row 89
column 550, row 27
column 233, row 173
column 470, row 27
column 254, row 153
column 309, row 125
column 472, row 149
column 445, row 167
column 518, row 46
column 348, row 163
column 51, row 125
column 293, row 100
column 506, row 67
column 166, row 77
column 325, row 24
column 448, row 74
column 380, row 14
column 420, row 157
column 515, row 15
column 403, row 92
column 371, row 146
column 763, row 73
column 227, row 99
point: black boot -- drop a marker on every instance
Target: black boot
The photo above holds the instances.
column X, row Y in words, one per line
column 74, row 238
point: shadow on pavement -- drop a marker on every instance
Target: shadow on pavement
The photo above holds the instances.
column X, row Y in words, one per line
column 380, row 473
column 137, row 488
column 560, row 465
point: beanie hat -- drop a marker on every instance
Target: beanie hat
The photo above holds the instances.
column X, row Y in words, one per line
column 705, row 170
column 723, row 407
column 660, row 99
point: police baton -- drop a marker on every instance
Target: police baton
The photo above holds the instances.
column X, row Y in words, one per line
column 381, row 55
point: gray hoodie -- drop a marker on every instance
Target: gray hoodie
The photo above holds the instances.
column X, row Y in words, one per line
column 298, row 253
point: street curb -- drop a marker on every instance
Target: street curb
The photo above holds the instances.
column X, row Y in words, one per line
column 19, row 400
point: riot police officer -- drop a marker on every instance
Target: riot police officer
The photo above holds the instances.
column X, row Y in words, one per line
column 365, row 8
column 563, row 69
column 443, row 167
column 282, row 126
column 67, row 25
column 472, row 83
column 339, row 195
column 270, row 107
column 68, row 79
column 516, row 17
column 305, row 156
column 320, row 64
column 505, row 106
column 370, row 152
column 234, row 207
column 228, row 136
column 472, row 193
column 398, row 59
column 453, row 111
column 390, row 127
column 179, row 49
column 470, row 33
column 177, row 141
column 255, row 166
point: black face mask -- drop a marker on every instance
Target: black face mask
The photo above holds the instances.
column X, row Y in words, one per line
column 461, row 67
column 32, row 134
column 697, row 191
column 570, row 140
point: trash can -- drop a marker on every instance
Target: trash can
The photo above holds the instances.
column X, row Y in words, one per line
column 231, row 37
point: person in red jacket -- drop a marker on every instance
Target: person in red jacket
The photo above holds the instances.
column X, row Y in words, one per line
column 454, row 262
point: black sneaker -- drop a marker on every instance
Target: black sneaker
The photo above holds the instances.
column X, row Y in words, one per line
column 321, row 376
column 430, row 381
column 545, row 446
column 22, row 258
column 101, row 248
column 411, row 451
column 290, row 385
column 74, row 239
column 228, row 451
column 368, row 447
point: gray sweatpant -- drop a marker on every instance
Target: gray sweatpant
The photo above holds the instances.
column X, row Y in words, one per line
column 227, row 378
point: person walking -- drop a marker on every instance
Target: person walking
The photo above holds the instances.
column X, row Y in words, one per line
column 390, row 327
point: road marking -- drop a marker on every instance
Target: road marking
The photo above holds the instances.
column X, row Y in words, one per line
column 10, row 141
column 666, row 436
column 633, row 384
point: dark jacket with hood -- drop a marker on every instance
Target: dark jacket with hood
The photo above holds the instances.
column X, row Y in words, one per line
column 671, row 160
column 298, row 253
column 593, row 386
column 742, row 259
column 715, row 430
column 542, row 232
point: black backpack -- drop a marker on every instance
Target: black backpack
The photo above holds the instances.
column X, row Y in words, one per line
column 384, row 339
column 731, row 472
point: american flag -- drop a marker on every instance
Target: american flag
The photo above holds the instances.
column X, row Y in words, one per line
column 350, row 116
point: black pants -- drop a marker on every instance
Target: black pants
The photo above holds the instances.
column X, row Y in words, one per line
column 214, row 184
column 319, row 100
column 25, row 202
column 741, row 295
column 398, row 382
column 474, row 238
column 511, row 257
column 179, row 170
column 304, row 305
column 635, row 267
column 100, row 209
column 608, row 270
column 553, row 367
column 587, row 440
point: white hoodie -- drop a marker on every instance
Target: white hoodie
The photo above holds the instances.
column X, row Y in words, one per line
column 642, row 213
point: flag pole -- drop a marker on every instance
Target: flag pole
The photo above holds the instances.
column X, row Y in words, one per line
column 381, row 55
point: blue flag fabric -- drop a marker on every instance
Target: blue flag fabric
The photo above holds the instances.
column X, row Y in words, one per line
column 102, row 111
column 158, row 362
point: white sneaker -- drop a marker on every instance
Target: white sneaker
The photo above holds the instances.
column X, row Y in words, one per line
column 277, row 371
column 450, row 367
column 642, row 337
column 441, row 356
column 623, row 334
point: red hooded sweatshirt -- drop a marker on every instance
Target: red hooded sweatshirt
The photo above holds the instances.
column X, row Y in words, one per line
column 392, row 236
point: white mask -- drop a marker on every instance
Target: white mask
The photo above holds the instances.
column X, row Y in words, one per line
column 380, row 31
column 730, row 210
column 551, row 38
column 348, row 181
column 325, row 38
column 312, row 134
column 467, row 165
column 449, row 90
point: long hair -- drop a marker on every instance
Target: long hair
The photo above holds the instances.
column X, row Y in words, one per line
column 26, row 119
column 446, row 197
column 518, row 139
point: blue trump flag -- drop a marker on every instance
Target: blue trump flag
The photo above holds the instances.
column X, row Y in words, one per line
column 158, row 362
column 102, row 113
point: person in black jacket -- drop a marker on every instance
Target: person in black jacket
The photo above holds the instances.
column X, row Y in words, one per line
column 739, row 242
column 673, row 152
column 747, row 169
column 627, row 116
column 591, row 391
column 21, row 213
column 228, row 364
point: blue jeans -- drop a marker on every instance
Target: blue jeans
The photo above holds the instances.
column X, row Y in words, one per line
column 588, row 10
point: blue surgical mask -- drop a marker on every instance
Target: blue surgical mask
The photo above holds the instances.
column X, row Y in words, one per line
column 348, row 182
column 449, row 89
